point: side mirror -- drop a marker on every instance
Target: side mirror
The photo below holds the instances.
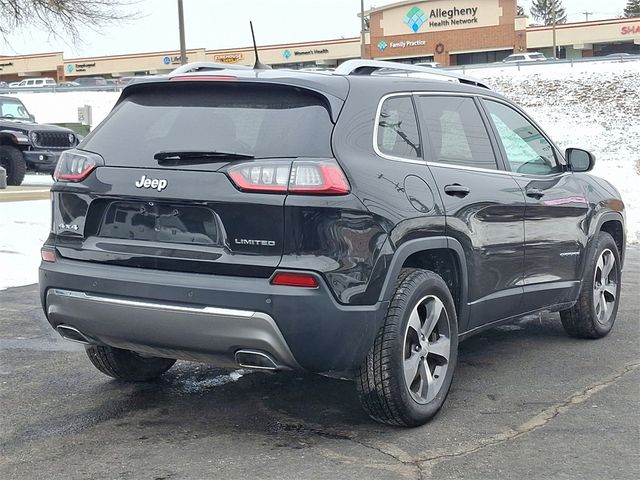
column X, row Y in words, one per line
column 580, row 160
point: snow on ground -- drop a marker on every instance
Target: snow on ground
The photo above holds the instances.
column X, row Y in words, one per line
column 24, row 226
column 37, row 180
column 62, row 107
column 590, row 105
column 595, row 106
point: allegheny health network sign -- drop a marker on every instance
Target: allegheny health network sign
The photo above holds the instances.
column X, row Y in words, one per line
column 417, row 18
column 438, row 15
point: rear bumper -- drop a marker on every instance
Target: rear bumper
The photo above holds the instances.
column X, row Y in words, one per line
column 208, row 317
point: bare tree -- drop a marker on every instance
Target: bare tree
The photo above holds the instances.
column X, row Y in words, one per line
column 62, row 17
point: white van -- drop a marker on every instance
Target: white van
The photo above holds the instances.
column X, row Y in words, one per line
column 525, row 57
column 37, row 83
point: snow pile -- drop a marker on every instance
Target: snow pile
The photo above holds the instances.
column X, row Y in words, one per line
column 595, row 106
column 24, row 226
column 62, row 107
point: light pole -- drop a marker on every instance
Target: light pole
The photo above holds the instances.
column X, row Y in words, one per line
column 362, row 27
column 553, row 18
column 183, row 48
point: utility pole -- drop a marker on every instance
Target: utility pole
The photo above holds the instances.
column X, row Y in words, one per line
column 362, row 27
column 586, row 15
column 183, row 47
column 553, row 18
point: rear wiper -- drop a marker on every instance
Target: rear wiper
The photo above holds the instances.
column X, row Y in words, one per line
column 198, row 156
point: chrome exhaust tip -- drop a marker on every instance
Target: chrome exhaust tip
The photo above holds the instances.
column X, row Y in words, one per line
column 72, row 334
column 256, row 360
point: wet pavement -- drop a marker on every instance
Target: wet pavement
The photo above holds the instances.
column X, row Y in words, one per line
column 527, row 402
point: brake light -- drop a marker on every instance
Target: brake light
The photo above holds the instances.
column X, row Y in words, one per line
column 204, row 77
column 289, row 279
column 76, row 165
column 307, row 177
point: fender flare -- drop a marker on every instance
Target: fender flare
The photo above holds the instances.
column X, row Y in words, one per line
column 18, row 138
column 410, row 247
column 601, row 220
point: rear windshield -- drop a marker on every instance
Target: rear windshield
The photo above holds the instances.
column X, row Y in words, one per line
column 262, row 121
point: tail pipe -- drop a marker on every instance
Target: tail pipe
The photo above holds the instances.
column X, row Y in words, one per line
column 73, row 334
column 255, row 359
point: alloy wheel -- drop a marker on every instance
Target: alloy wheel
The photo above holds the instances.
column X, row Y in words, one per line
column 427, row 348
column 605, row 286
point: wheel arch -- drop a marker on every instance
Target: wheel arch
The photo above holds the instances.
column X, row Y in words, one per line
column 613, row 224
column 14, row 139
column 441, row 255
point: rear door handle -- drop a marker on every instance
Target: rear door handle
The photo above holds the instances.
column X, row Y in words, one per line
column 534, row 193
column 456, row 190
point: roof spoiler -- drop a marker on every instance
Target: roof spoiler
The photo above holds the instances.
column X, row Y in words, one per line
column 368, row 67
column 206, row 67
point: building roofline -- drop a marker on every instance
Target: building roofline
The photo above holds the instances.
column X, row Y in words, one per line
column 32, row 55
column 594, row 23
column 288, row 45
column 389, row 6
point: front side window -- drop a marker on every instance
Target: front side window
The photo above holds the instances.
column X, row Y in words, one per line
column 398, row 129
column 526, row 148
column 456, row 131
column 13, row 108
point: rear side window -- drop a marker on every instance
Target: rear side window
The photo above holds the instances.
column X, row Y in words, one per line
column 262, row 121
column 456, row 131
column 397, row 129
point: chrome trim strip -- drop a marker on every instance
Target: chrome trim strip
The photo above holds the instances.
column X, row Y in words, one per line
column 461, row 167
column 227, row 312
column 375, row 132
column 472, row 169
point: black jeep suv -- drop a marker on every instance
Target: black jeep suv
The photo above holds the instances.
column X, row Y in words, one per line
column 355, row 223
column 27, row 145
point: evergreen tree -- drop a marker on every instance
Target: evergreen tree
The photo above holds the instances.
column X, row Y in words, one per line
column 632, row 9
column 542, row 10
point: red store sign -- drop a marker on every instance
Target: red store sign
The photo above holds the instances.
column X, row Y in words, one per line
column 631, row 30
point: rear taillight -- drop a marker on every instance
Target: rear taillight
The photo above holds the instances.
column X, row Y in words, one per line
column 307, row 177
column 290, row 279
column 48, row 255
column 76, row 165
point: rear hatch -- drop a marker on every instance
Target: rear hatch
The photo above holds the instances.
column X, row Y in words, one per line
column 191, row 176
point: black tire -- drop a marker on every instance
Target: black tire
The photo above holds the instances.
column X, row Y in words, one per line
column 584, row 319
column 13, row 162
column 384, row 393
column 127, row 365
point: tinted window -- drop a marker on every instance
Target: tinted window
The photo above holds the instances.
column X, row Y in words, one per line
column 398, row 129
column 456, row 131
column 526, row 148
column 261, row 121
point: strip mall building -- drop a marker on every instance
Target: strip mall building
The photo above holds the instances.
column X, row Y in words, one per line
column 451, row 32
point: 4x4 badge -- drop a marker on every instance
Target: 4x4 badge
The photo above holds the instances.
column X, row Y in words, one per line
column 157, row 183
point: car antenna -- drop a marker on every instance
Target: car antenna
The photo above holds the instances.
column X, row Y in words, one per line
column 258, row 65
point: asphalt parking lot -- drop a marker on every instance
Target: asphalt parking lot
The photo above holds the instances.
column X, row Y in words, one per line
column 527, row 402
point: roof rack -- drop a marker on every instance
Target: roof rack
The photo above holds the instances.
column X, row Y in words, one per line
column 206, row 66
column 368, row 67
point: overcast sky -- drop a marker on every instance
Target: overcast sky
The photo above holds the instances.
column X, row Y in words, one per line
column 214, row 24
